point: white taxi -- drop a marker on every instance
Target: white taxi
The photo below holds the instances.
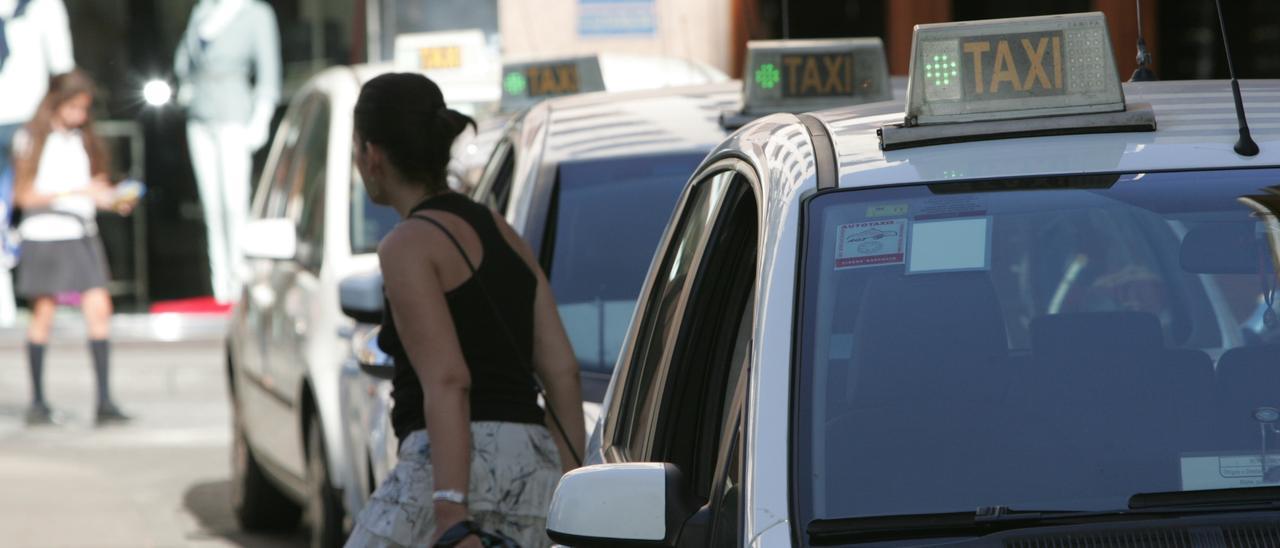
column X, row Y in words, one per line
column 1023, row 312
column 310, row 226
column 528, row 81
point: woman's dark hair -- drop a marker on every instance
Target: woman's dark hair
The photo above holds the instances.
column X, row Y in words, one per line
column 62, row 88
column 405, row 114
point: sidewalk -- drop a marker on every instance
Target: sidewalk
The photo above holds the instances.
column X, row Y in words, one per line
column 125, row 328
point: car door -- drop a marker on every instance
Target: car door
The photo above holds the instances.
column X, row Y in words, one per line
column 692, row 355
column 294, row 283
column 256, row 396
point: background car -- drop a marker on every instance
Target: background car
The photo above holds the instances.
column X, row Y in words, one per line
column 310, row 225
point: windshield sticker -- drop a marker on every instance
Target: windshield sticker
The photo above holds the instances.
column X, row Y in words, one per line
column 1228, row 471
column 951, row 207
column 871, row 243
column 886, row 210
column 950, row 246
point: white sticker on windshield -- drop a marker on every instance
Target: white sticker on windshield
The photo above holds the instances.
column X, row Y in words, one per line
column 950, row 245
column 871, row 243
column 1228, row 471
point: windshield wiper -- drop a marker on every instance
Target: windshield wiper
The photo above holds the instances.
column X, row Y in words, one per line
column 1210, row 500
column 984, row 520
column 991, row 519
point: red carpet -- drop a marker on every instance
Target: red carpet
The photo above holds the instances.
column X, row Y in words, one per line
column 195, row 305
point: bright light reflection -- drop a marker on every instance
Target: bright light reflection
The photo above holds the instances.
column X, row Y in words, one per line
column 157, row 93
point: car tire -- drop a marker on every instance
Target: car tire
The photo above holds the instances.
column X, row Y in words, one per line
column 324, row 507
column 257, row 503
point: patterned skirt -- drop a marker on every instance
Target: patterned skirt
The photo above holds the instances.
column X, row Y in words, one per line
column 514, row 471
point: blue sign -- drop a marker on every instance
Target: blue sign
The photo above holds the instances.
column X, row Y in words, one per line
column 603, row 18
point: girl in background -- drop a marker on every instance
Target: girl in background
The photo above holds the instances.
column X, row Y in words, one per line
column 60, row 180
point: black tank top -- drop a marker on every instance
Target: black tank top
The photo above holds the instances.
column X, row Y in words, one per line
column 502, row 386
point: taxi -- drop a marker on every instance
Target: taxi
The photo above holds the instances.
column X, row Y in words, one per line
column 527, row 81
column 310, row 226
column 1055, row 336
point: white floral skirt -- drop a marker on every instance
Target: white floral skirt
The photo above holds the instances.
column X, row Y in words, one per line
column 514, row 471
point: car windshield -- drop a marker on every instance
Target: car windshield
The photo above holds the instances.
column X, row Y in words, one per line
column 369, row 221
column 609, row 215
column 1049, row 343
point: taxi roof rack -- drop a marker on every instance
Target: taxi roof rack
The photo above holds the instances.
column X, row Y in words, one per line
column 1135, row 117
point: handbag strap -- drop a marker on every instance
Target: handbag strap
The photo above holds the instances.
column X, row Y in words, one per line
column 533, row 374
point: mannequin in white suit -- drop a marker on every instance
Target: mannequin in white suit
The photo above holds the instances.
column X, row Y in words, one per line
column 228, row 67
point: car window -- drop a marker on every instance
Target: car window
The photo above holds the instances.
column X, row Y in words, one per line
column 369, row 221
column 500, row 166
column 274, row 196
column 1060, row 342
column 608, row 216
column 500, row 193
column 306, row 203
column 712, row 344
column 665, row 301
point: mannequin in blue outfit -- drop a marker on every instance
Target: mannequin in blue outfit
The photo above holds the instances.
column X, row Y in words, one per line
column 228, row 68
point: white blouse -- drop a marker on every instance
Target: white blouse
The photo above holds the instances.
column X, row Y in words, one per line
column 64, row 167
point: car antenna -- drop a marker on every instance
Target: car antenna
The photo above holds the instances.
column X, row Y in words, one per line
column 1143, row 73
column 1245, row 145
column 786, row 20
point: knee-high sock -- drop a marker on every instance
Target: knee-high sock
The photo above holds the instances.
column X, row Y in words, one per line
column 101, row 351
column 35, row 360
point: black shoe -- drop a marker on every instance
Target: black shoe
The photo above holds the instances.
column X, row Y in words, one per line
column 39, row 414
column 110, row 414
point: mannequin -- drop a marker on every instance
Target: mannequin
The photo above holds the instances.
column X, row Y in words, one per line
column 34, row 46
column 228, row 70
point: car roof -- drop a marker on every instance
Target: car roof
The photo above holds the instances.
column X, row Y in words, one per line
column 606, row 124
column 1195, row 129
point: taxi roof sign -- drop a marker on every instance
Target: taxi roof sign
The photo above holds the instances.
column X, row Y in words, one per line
column 527, row 82
column 447, row 56
column 804, row 75
column 1003, row 70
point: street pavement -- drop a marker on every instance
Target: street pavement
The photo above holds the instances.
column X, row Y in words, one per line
column 160, row 481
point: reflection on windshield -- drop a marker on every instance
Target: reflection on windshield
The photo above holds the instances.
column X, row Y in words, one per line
column 609, row 215
column 1055, row 346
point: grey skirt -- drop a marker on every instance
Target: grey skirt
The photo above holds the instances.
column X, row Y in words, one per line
column 62, row 266
column 514, row 471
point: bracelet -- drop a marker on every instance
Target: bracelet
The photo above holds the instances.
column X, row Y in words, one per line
column 449, row 495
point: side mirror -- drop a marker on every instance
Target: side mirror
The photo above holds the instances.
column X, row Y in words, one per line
column 373, row 361
column 632, row 504
column 360, row 296
column 270, row 239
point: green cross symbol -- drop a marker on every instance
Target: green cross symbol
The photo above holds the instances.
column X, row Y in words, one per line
column 514, row 83
column 768, row 76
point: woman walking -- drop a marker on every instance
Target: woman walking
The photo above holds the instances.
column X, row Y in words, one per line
column 470, row 320
column 60, row 180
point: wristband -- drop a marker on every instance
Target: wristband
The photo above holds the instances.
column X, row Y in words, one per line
column 449, row 495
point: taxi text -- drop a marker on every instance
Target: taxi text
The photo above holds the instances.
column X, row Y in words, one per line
column 441, row 57
column 557, row 79
column 817, row 75
column 1016, row 65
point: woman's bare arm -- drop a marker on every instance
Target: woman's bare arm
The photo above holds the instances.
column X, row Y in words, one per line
column 427, row 331
column 553, row 359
